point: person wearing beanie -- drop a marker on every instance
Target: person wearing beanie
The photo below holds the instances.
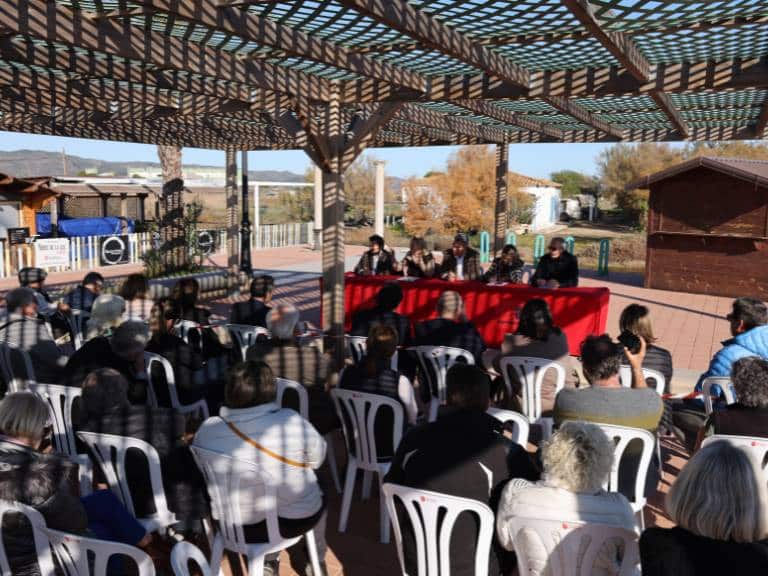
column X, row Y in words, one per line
column 34, row 279
column 377, row 261
column 461, row 262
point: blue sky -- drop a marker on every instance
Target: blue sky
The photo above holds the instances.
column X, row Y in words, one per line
column 532, row 159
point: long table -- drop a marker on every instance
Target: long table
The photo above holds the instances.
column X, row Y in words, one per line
column 493, row 309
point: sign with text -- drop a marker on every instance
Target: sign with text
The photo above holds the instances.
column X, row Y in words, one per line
column 52, row 252
column 114, row 250
column 17, row 235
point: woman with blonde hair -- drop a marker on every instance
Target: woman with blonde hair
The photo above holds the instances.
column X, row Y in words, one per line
column 720, row 505
column 106, row 315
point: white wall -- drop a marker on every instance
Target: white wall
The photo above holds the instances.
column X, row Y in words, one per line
column 547, row 207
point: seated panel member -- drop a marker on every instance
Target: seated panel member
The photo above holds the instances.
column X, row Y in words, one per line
column 506, row 268
column 558, row 269
column 377, row 261
column 461, row 262
column 418, row 262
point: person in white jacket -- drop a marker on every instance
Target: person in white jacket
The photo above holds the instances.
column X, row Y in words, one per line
column 286, row 447
column 577, row 461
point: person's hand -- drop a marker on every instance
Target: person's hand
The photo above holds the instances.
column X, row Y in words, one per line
column 451, row 277
column 541, row 283
column 636, row 360
column 553, row 284
column 63, row 307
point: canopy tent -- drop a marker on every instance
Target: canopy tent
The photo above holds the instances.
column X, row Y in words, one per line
column 333, row 77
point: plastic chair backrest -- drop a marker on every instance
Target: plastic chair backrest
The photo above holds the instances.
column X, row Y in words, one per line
column 37, row 522
column 222, row 478
column 184, row 330
column 110, row 452
column 530, row 373
column 12, row 380
column 60, row 400
column 77, row 320
column 246, row 335
column 622, row 436
column 522, row 427
column 757, row 446
column 572, row 547
column 283, row 384
column 360, row 410
column 357, row 347
column 435, row 362
column 726, row 388
column 432, row 517
column 81, row 556
column 181, row 555
column 199, row 408
column 625, row 376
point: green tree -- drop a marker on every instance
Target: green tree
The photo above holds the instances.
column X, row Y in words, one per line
column 572, row 182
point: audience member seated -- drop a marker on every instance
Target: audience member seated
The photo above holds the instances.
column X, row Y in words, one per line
column 376, row 261
column 418, row 261
column 82, row 297
column 254, row 311
column 374, row 373
column 558, row 269
column 460, row 262
column 720, row 509
column 34, row 279
column 507, row 268
column 464, row 453
column 184, row 295
column 749, row 416
column 123, row 351
column 577, row 461
column 105, row 409
column 186, row 361
column 135, row 292
column 636, row 319
column 748, row 323
column 107, row 313
column 25, row 330
column 303, row 364
column 48, row 483
column 383, row 314
column 538, row 337
column 451, row 328
column 252, row 428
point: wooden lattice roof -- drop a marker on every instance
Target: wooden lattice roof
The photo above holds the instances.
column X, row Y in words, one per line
column 255, row 74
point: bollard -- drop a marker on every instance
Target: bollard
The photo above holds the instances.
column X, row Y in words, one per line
column 570, row 244
column 485, row 247
column 538, row 248
column 512, row 238
column 602, row 259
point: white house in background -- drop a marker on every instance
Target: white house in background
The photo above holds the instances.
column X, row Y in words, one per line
column 546, row 193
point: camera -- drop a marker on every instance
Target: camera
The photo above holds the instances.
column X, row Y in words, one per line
column 630, row 341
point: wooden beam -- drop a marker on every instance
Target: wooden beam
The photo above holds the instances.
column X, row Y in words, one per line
column 421, row 115
column 429, row 31
column 664, row 102
column 491, row 110
column 762, row 121
column 363, row 132
column 583, row 115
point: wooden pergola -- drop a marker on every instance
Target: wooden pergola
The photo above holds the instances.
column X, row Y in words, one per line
column 334, row 77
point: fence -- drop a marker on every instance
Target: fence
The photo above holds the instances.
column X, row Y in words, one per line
column 281, row 235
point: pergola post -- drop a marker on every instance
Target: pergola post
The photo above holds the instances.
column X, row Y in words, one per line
column 333, row 261
column 231, row 202
column 124, row 205
column 54, row 211
column 103, row 206
column 318, row 204
column 379, row 199
column 501, row 211
column 142, row 208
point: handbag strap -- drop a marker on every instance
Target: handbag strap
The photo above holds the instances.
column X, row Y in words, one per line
column 245, row 438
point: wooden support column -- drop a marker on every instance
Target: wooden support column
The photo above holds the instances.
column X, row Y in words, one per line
column 142, row 208
column 54, row 209
column 103, row 203
column 333, row 261
column 124, row 205
column 231, row 202
column 501, row 211
column 318, row 204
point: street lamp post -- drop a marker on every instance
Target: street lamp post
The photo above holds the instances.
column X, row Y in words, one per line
column 245, row 224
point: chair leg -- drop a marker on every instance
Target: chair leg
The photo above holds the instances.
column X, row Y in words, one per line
column 383, row 516
column 314, row 560
column 641, row 518
column 256, row 565
column 546, row 428
column 217, row 555
column 367, row 481
column 346, row 499
column 434, row 404
column 330, row 457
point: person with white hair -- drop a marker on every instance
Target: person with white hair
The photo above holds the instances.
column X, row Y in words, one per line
column 106, row 315
column 451, row 328
column 719, row 504
column 577, row 461
column 303, row 364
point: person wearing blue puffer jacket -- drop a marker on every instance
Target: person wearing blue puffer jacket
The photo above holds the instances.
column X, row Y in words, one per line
column 749, row 328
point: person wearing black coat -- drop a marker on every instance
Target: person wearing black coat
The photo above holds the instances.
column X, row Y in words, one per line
column 254, row 311
column 451, row 328
column 377, row 261
column 558, row 269
column 383, row 314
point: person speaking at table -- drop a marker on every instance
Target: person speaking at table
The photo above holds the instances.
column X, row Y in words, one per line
column 507, row 268
column 558, row 269
column 461, row 262
column 377, row 261
column 418, row 262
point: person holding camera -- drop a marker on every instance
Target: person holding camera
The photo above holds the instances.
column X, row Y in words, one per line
column 635, row 320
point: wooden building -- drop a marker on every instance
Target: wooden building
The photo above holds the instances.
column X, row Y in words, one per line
column 708, row 227
column 21, row 199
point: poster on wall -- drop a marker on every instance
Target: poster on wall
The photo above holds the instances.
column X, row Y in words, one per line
column 52, row 252
column 17, row 235
column 114, row 250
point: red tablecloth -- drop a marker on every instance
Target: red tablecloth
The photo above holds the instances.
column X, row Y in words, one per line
column 493, row 309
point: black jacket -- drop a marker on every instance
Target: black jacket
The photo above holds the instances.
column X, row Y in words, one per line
column 364, row 320
column 442, row 332
column 425, row 270
column 472, row 270
column 185, row 361
column 461, row 454
column 253, row 312
column 564, row 269
column 45, row 482
column 500, row 271
column 385, row 267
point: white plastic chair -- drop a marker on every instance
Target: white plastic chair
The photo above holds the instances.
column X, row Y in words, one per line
column 81, row 556
column 110, row 452
column 182, row 554
column 15, row 383
column 522, row 427
column 60, row 400
column 432, row 531
column 77, row 320
column 222, row 477
column 622, row 436
column 435, row 361
column 357, row 348
column 184, row 328
column 572, row 547
column 199, row 408
column 625, row 376
column 37, row 522
column 726, row 386
column 246, row 335
column 283, row 384
column 757, row 446
column 530, row 373
column 357, row 412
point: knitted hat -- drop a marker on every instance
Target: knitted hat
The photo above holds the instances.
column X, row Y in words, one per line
column 31, row 275
column 461, row 237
